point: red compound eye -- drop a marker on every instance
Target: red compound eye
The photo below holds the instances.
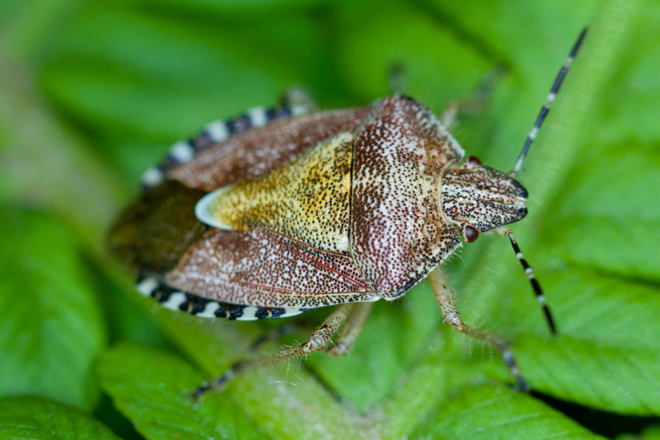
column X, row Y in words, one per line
column 456, row 172
column 471, row 233
column 454, row 210
column 473, row 160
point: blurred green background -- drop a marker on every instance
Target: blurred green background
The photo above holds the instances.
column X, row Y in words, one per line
column 92, row 93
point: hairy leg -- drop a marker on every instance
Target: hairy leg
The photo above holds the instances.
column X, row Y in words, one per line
column 317, row 341
column 351, row 330
column 451, row 316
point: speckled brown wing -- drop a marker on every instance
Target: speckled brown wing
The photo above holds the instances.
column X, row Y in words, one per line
column 261, row 268
column 153, row 233
column 397, row 228
column 256, row 151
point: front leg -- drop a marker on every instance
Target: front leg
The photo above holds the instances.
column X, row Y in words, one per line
column 451, row 316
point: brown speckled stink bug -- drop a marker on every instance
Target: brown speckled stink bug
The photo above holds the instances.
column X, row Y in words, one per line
column 281, row 211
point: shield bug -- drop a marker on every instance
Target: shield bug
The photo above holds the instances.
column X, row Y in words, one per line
column 284, row 210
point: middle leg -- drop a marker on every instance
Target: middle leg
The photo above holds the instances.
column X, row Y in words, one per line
column 351, row 330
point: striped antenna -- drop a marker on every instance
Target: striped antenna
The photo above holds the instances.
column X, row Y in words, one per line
column 532, row 279
column 546, row 107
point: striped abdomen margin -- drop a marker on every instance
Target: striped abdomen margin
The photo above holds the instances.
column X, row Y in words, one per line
column 175, row 299
column 215, row 133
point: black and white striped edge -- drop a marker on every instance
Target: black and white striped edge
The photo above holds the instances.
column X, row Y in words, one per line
column 215, row 133
column 556, row 85
column 536, row 287
column 174, row 299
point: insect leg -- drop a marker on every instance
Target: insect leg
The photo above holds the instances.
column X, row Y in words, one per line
column 298, row 99
column 277, row 333
column 351, row 330
column 451, row 316
column 317, row 341
column 475, row 104
column 396, row 78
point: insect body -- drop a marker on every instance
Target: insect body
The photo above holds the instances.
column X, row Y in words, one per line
column 280, row 212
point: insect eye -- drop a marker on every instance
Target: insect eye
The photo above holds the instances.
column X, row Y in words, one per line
column 474, row 161
column 453, row 210
column 471, row 233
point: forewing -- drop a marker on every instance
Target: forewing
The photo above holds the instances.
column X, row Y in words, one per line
column 398, row 231
column 254, row 152
column 261, row 268
column 160, row 234
column 154, row 232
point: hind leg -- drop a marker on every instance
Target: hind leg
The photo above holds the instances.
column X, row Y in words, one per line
column 317, row 341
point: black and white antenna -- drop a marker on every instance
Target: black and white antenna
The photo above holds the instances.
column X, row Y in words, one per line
column 546, row 107
column 536, row 287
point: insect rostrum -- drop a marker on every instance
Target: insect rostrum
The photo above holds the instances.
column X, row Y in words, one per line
column 281, row 211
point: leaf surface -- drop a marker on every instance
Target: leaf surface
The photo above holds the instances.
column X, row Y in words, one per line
column 40, row 419
column 494, row 412
column 51, row 327
column 133, row 77
column 149, row 387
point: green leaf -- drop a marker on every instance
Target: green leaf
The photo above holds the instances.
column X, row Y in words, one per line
column 37, row 419
column 127, row 317
column 51, row 328
column 134, row 81
column 606, row 357
column 43, row 162
column 175, row 97
column 401, row 34
column 149, row 387
column 652, row 433
column 630, row 111
column 613, row 207
column 494, row 412
column 264, row 393
column 238, row 8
